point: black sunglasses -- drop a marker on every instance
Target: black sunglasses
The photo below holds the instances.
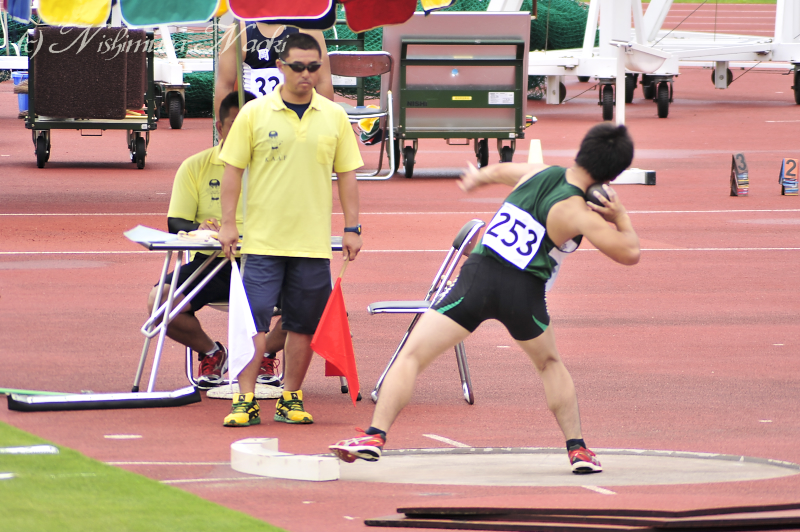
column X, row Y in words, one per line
column 299, row 67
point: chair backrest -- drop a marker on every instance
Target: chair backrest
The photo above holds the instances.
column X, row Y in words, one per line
column 463, row 243
column 469, row 230
column 360, row 64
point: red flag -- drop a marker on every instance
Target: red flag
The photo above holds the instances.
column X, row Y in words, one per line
column 333, row 343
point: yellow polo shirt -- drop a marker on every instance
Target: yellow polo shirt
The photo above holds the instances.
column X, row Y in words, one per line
column 195, row 191
column 291, row 160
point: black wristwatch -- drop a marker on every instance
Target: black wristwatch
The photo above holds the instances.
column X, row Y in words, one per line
column 356, row 229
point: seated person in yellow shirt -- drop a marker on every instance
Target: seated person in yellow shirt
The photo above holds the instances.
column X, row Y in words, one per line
column 195, row 204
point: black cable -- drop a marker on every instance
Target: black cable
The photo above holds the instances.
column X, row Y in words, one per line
column 681, row 22
column 587, row 90
column 743, row 73
column 716, row 7
column 547, row 25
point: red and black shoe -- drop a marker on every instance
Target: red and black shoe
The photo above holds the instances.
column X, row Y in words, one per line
column 584, row 461
column 212, row 368
column 366, row 447
column 268, row 373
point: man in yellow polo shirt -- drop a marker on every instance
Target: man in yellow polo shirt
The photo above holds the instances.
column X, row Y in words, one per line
column 292, row 140
column 195, row 204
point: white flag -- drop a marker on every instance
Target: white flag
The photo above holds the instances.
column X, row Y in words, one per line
column 241, row 327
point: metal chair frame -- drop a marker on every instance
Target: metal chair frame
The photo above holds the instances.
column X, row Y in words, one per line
column 362, row 64
column 461, row 245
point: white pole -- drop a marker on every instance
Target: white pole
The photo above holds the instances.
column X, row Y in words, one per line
column 638, row 21
column 620, row 92
column 591, row 29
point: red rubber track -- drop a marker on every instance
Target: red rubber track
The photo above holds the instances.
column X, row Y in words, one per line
column 693, row 349
column 711, row 17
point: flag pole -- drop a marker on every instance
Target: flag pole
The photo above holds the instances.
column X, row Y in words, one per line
column 344, row 267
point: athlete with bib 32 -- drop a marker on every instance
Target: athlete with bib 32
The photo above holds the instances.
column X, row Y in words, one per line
column 262, row 45
column 506, row 276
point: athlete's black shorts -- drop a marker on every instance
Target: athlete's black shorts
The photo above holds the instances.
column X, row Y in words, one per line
column 488, row 289
column 218, row 287
column 300, row 286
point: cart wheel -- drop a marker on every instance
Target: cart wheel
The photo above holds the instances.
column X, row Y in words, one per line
column 608, row 102
column 408, row 161
column 647, row 87
column 175, row 112
column 506, row 154
column 583, row 79
column 630, row 86
column 41, row 151
column 662, row 99
column 728, row 73
column 796, row 87
column 562, row 92
column 396, row 148
column 141, row 151
column 483, row 153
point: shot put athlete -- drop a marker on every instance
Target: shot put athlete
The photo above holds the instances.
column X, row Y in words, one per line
column 506, row 276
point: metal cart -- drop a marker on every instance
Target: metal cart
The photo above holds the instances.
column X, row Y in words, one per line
column 135, row 126
column 462, row 77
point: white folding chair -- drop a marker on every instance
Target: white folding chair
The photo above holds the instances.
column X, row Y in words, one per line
column 362, row 65
column 462, row 245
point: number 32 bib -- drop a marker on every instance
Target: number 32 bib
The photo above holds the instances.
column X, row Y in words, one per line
column 263, row 81
column 514, row 235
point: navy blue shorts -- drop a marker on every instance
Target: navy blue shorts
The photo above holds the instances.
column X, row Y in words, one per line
column 488, row 289
column 300, row 286
column 218, row 287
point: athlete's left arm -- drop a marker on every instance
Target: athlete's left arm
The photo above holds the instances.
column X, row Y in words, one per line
column 348, row 197
column 324, row 85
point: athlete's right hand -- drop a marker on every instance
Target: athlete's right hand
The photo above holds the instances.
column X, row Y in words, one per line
column 229, row 238
column 612, row 209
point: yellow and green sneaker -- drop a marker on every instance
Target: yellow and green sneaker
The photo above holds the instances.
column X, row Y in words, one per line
column 244, row 412
column 289, row 408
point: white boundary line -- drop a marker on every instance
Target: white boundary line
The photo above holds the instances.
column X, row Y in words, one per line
column 170, row 463
column 73, row 252
column 448, row 441
column 192, row 480
column 411, row 213
column 20, row 253
column 600, row 490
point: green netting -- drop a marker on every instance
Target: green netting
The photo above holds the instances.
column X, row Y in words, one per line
column 193, row 45
column 18, row 34
column 199, row 94
column 559, row 24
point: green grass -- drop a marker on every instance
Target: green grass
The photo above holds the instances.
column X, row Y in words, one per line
column 70, row 492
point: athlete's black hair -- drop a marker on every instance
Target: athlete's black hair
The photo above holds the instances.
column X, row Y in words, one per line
column 232, row 100
column 605, row 152
column 303, row 41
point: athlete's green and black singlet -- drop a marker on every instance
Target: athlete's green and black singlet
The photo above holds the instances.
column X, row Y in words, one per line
column 505, row 277
column 517, row 233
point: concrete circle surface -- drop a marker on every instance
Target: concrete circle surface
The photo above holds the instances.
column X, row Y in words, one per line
column 550, row 467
